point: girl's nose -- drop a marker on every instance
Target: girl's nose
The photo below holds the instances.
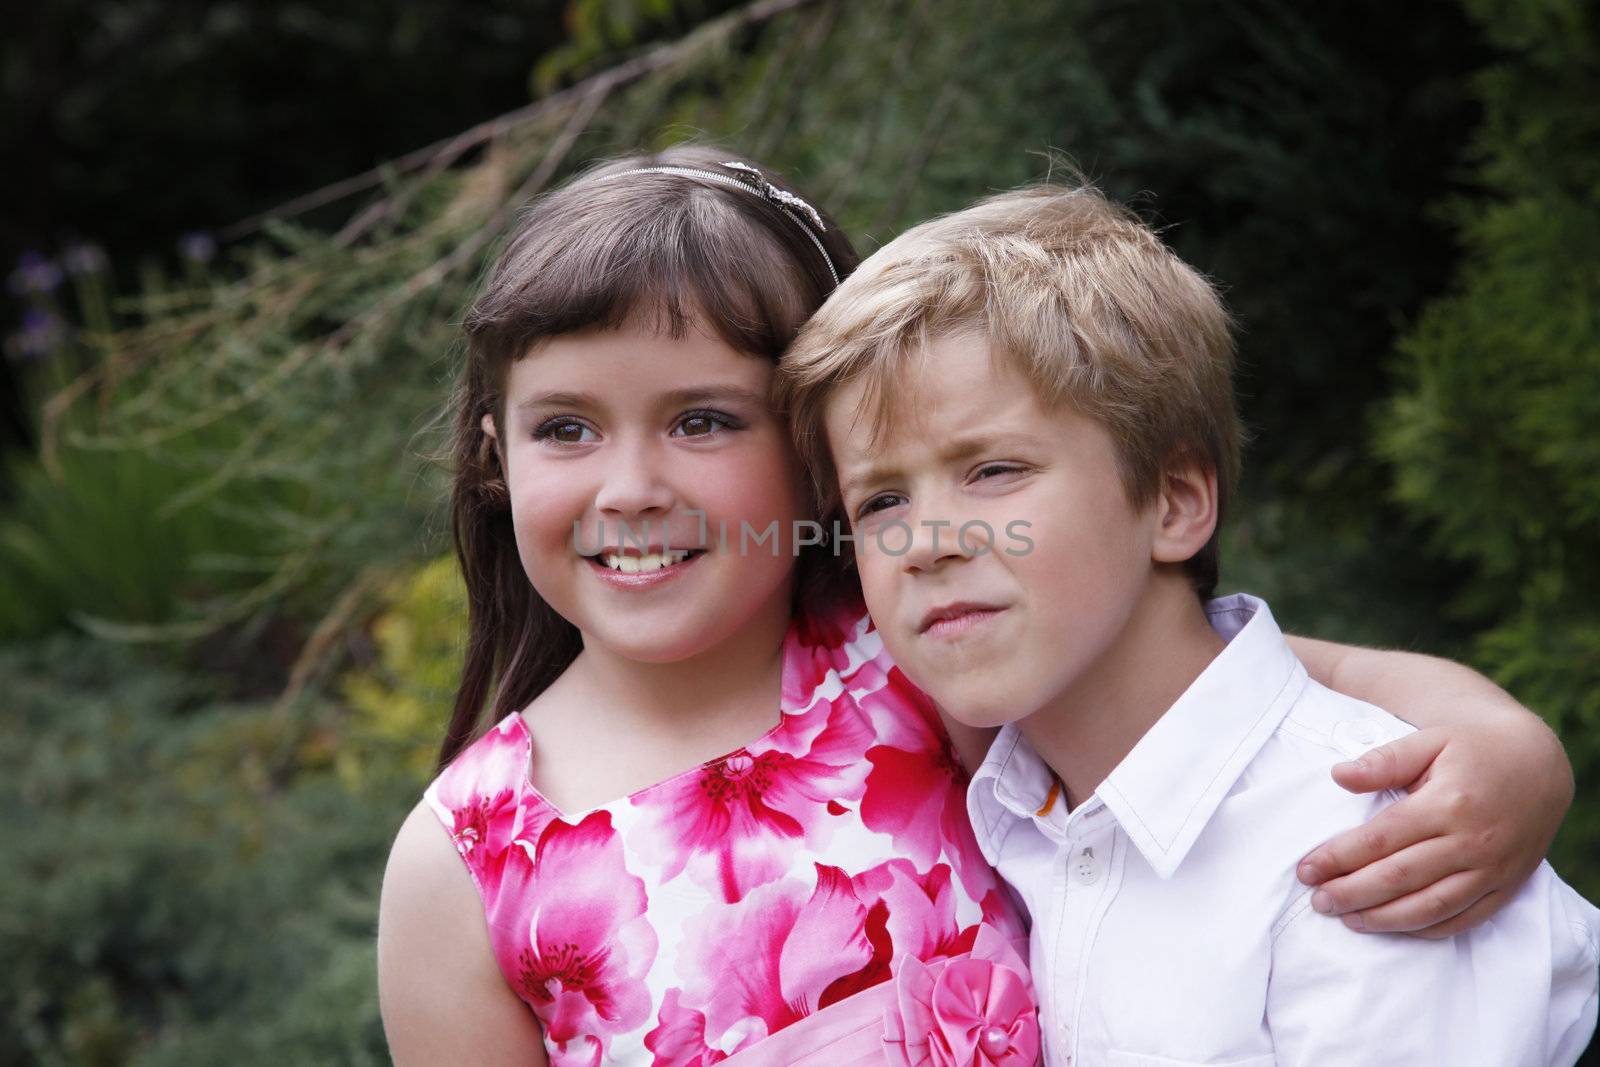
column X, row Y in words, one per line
column 634, row 483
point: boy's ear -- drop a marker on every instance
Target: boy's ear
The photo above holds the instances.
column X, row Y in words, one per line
column 1185, row 510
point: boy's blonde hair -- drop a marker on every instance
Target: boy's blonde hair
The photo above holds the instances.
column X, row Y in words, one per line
column 1070, row 289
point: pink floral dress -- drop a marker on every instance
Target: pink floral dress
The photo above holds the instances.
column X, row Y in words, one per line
column 695, row 918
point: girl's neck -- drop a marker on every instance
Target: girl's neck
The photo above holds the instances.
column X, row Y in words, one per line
column 732, row 685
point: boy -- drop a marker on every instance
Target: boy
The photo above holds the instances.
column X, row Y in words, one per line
column 1026, row 408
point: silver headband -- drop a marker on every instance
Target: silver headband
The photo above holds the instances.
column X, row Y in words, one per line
column 757, row 183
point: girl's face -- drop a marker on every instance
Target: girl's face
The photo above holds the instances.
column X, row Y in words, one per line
column 628, row 453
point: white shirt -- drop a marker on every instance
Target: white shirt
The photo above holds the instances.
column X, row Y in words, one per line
column 1169, row 928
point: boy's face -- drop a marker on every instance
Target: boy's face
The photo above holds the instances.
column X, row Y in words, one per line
column 999, row 622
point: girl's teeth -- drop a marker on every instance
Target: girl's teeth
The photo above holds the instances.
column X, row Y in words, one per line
column 652, row 561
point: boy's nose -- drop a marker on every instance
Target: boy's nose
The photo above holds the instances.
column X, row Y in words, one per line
column 939, row 539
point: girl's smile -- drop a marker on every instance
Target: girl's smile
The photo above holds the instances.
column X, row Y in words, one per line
column 649, row 570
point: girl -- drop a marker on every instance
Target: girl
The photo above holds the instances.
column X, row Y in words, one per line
column 646, row 624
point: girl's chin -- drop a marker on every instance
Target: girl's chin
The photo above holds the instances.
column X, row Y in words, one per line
column 662, row 628
column 675, row 633
column 652, row 648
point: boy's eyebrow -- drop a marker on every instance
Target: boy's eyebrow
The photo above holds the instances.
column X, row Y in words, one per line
column 863, row 476
column 964, row 446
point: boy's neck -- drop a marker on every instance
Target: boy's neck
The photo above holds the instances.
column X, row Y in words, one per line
column 1090, row 727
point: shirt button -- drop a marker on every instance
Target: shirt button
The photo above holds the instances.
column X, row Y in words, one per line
column 1353, row 737
column 1085, row 868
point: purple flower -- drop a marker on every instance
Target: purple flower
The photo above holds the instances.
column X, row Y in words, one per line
column 197, row 246
column 40, row 335
column 34, row 274
column 81, row 257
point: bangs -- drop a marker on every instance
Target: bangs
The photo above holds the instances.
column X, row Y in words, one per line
column 672, row 253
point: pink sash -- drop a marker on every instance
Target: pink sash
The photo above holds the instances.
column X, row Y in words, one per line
column 972, row 1010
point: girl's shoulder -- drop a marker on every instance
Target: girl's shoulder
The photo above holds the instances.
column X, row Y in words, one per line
column 496, row 761
column 840, row 640
column 839, row 657
column 482, row 798
column 441, row 989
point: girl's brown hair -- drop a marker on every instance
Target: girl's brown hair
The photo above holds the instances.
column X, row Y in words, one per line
column 606, row 249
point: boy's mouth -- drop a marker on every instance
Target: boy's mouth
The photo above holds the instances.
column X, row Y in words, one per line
column 950, row 620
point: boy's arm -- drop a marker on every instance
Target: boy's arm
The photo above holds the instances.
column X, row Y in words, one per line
column 1521, row 994
column 1489, row 785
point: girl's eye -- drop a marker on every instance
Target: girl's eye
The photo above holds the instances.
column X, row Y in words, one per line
column 564, row 431
column 881, row 502
column 705, row 423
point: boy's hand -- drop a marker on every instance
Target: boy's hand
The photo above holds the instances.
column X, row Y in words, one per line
column 1485, row 804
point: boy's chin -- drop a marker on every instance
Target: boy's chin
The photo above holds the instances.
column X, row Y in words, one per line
column 983, row 718
column 969, row 707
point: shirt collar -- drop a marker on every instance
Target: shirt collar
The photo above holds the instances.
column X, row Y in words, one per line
column 1166, row 789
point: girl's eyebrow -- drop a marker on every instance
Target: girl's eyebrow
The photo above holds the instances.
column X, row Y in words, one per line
column 707, row 393
column 699, row 394
column 557, row 400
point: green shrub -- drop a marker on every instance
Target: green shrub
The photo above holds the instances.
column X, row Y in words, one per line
column 185, row 882
column 1494, row 431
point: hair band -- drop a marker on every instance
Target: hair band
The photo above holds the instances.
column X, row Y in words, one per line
column 782, row 199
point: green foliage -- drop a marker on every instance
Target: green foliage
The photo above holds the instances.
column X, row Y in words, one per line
column 419, row 637
column 1265, row 131
column 1493, row 433
column 598, row 30
column 107, row 540
column 185, row 882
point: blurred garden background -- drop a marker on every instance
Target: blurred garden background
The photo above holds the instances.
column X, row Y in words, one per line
column 242, row 234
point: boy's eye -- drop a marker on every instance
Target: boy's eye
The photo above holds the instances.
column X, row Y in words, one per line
column 994, row 470
column 564, row 431
column 704, row 423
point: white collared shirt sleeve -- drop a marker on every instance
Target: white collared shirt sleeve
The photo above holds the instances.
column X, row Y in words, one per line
column 1519, row 990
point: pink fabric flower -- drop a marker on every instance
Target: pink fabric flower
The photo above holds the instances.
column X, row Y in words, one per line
column 756, row 968
column 484, row 813
column 679, row 1039
column 582, row 960
column 736, row 823
column 917, row 790
column 779, row 888
column 921, row 908
column 972, row 1011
